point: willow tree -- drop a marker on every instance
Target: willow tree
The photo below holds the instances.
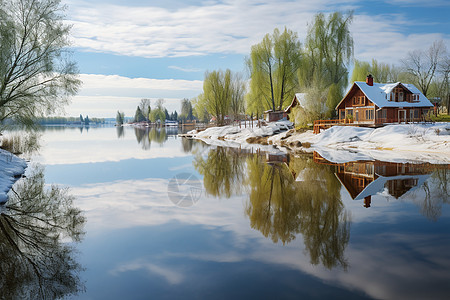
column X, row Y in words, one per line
column 273, row 65
column 327, row 53
column 381, row 72
column 36, row 75
column 217, row 90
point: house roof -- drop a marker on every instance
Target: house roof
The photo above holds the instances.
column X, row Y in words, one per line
column 379, row 94
column 379, row 184
column 299, row 98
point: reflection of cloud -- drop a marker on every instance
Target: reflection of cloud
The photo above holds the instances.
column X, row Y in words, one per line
column 172, row 277
column 65, row 147
column 381, row 264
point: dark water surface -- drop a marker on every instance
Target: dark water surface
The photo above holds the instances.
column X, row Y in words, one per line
column 168, row 218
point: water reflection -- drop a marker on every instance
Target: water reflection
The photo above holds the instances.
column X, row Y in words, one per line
column 145, row 136
column 38, row 228
column 120, row 132
column 365, row 179
column 286, row 196
column 223, row 171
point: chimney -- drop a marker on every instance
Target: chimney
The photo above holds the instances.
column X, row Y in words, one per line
column 369, row 80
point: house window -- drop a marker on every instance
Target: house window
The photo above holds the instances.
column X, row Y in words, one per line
column 391, row 96
column 415, row 97
column 369, row 114
column 382, row 114
column 400, row 96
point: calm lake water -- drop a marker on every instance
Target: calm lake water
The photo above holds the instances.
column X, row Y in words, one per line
column 169, row 218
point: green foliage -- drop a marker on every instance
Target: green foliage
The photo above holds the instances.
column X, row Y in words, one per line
column 36, row 75
column 333, row 98
column 279, row 206
column 381, row 72
column 273, row 65
column 120, row 118
column 186, row 110
column 360, row 71
column 138, row 115
column 199, row 109
column 327, row 54
column 158, row 113
column 217, row 92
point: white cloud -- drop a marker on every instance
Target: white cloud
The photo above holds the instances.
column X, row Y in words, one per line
column 231, row 27
column 226, row 27
column 91, row 81
column 187, row 70
column 104, row 95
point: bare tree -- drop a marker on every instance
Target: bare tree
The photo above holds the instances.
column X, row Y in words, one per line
column 145, row 107
column 237, row 104
column 423, row 65
column 36, row 75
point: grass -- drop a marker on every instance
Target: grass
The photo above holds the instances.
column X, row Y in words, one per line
column 441, row 118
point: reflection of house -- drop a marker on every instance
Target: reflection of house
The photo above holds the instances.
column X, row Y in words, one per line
column 378, row 103
column 363, row 179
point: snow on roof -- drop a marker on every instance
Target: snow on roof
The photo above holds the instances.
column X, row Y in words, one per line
column 379, row 94
column 300, row 97
column 378, row 185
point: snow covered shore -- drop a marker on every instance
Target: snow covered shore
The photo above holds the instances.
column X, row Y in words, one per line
column 11, row 168
column 395, row 143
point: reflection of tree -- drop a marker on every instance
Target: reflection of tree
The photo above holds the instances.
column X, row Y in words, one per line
column 158, row 135
column 187, row 144
column 436, row 193
column 273, row 206
column 142, row 138
column 324, row 224
column 120, row 132
column 145, row 136
column 223, row 171
column 281, row 207
column 35, row 262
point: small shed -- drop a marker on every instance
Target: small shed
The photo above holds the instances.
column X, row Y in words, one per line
column 273, row 116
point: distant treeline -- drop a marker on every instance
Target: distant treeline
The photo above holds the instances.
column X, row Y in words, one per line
column 70, row 121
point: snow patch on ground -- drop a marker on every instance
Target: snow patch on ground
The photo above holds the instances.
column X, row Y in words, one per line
column 394, row 143
column 11, row 168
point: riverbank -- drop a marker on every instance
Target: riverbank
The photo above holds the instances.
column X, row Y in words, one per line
column 395, row 143
column 12, row 168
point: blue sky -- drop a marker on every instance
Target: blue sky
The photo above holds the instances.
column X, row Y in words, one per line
column 132, row 49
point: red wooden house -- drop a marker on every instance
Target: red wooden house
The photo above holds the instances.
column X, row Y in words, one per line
column 379, row 103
